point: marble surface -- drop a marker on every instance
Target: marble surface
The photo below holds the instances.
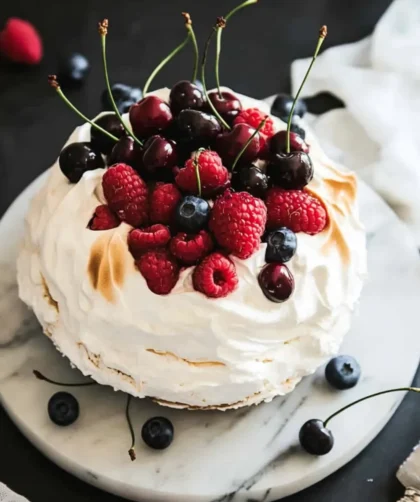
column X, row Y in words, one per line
column 245, row 455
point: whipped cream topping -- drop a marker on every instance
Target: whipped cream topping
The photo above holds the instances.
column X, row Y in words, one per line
column 185, row 349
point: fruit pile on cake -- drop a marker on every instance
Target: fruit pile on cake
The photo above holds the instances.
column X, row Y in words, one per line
column 193, row 250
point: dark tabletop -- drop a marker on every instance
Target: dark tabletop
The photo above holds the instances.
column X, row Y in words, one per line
column 258, row 47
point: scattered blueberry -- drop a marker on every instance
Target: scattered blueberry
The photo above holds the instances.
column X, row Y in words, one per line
column 192, row 214
column 100, row 141
column 73, row 69
column 315, row 438
column 158, row 433
column 63, row 408
column 343, row 372
column 283, row 104
column 281, row 245
column 124, row 96
column 77, row 158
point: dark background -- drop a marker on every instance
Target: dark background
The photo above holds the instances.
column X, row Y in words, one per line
column 259, row 45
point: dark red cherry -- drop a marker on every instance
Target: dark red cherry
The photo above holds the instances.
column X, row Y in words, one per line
column 228, row 105
column 127, row 151
column 250, row 179
column 185, row 95
column 197, row 128
column 151, row 115
column 159, row 157
column 77, row 158
column 112, row 124
column 230, row 143
column 276, row 282
column 292, row 171
column 277, row 143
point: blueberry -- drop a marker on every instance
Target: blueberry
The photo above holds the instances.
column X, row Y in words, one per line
column 124, row 96
column 77, row 158
column 73, row 70
column 343, row 372
column 192, row 214
column 63, row 408
column 281, row 245
column 315, row 438
column 158, row 433
column 283, row 104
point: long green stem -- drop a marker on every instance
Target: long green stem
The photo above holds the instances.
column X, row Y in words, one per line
column 52, row 80
column 401, row 389
column 103, row 31
column 322, row 35
column 197, row 169
column 188, row 25
column 260, row 126
column 40, row 376
column 220, row 24
column 131, row 451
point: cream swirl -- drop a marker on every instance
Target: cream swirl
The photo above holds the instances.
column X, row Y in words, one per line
column 185, row 349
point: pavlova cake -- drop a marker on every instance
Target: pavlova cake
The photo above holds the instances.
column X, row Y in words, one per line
column 193, row 250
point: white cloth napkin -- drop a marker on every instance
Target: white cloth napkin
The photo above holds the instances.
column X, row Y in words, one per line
column 7, row 495
column 378, row 133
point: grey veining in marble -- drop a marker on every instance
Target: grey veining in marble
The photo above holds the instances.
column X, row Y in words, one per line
column 246, row 455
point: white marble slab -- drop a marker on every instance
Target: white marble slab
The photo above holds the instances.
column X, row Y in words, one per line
column 246, row 455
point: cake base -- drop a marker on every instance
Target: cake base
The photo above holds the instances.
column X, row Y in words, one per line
column 247, row 454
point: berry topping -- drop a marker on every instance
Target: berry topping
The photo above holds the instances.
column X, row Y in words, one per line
column 73, row 70
column 103, row 219
column 77, row 158
column 250, row 179
column 127, row 151
column 192, row 214
column 291, row 170
column 215, row 276
column 143, row 239
column 158, row 433
column 298, row 130
column 342, row 372
column 163, row 202
column 150, row 116
column 126, row 194
column 277, row 144
column 281, row 245
column 124, row 97
column 276, row 282
column 159, row 157
column 63, row 408
column 229, row 145
column 160, row 270
column 111, row 123
column 20, row 42
column 228, row 105
column 237, row 222
column 253, row 117
column 282, row 106
column 196, row 128
column 295, row 209
column 185, row 95
column 315, row 438
column 190, row 249
column 213, row 175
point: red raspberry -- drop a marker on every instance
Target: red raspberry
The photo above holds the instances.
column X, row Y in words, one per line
column 213, row 175
column 295, row 209
column 190, row 249
column 163, row 201
column 160, row 270
column 103, row 219
column 142, row 239
column 253, row 117
column 126, row 194
column 20, row 42
column 237, row 221
column 215, row 276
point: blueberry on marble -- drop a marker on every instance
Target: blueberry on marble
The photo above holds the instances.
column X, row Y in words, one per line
column 281, row 245
column 158, row 433
column 192, row 214
column 124, row 96
column 282, row 106
column 73, row 69
column 343, row 372
column 315, row 438
column 63, row 408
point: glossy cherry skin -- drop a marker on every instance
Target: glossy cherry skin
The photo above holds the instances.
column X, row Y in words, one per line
column 185, row 95
column 277, row 143
column 250, row 179
column 315, row 438
column 230, row 143
column 77, row 158
column 127, row 151
column 292, row 171
column 159, row 157
column 151, row 115
column 276, row 282
column 228, row 105
column 112, row 124
column 197, row 128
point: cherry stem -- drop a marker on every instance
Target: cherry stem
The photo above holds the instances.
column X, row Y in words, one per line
column 322, row 35
column 131, row 451
column 40, row 376
column 401, row 389
column 52, row 80
column 219, row 41
column 219, row 25
column 188, row 25
column 103, row 31
column 197, row 168
column 166, row 60
column 257, row 130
